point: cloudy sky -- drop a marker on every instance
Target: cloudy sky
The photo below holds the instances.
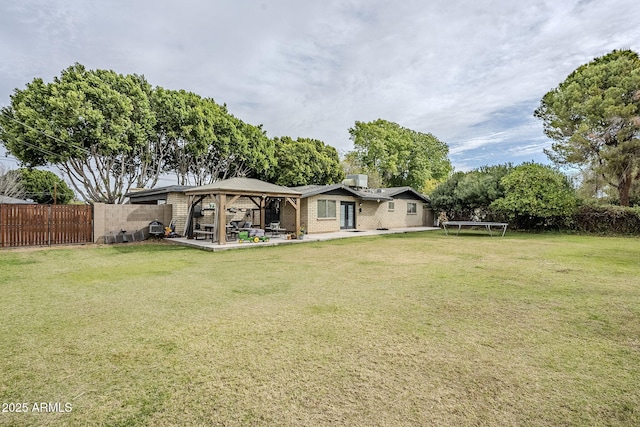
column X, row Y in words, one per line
column 471, row 72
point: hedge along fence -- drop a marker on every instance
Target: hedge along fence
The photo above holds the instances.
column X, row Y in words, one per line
column 607, row 219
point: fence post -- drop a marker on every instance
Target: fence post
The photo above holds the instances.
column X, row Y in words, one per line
column 49, row 225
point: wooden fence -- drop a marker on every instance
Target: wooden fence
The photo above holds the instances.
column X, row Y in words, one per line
column 45, row 225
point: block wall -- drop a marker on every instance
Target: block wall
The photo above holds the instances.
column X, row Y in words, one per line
column 179, row 206
column 380, row 215
column 324, row 225
column 130, row 218
column 288, row 216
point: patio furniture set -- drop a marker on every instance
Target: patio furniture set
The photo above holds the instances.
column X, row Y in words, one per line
column 242, row 232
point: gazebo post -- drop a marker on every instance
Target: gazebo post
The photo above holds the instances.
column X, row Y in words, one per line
column 295, row 202
column 263, row 209
column 297, row 199
column 188, row 227
column 222, row 219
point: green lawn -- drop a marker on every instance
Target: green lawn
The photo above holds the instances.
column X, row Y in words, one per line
column 416, row 329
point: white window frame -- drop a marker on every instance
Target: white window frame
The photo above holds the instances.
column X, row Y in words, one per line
column 413, row 211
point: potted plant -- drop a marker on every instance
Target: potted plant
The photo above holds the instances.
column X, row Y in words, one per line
column 301, row 235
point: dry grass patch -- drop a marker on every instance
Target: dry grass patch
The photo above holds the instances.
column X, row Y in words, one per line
column 419, row 329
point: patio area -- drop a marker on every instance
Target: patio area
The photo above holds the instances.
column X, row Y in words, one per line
column 207, row 245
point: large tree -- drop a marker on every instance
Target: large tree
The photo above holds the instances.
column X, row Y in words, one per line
column 594, row 119
column 305, row 161
column 401, row 156
column 184, row 132
column 238, row 149
column 94, row 125
column 201, row 142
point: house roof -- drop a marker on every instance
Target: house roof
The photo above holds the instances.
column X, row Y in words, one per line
column 159, row 190
column 396, row 192
column 243, row 186
column 312, row 190
column 12, row 200
column 374, row 194
column 250, row 185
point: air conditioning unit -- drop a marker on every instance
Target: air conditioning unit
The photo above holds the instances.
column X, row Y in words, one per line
column 359, row 180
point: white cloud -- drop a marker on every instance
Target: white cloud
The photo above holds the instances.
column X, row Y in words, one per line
column 460, row 69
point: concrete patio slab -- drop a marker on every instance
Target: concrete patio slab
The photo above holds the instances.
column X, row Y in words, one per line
column 207, row 245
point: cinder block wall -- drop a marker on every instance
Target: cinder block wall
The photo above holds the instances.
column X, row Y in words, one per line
column 370, row 215
column 324, row 225
column 382, row 215
column 113, row 218
column 179, row 205
column 288, row 216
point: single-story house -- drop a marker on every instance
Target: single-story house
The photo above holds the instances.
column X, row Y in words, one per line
column 322, row 208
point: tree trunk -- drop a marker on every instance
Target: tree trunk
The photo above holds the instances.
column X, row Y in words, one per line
column 624, row 188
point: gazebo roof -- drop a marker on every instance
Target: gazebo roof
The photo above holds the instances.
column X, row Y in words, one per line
column 249, row 186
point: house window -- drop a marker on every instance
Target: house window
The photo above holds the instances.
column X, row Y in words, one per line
column 392, row 206
column 412, row 208
column 326, row 208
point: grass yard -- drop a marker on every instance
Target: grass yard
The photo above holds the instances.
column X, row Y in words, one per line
column 416, row 329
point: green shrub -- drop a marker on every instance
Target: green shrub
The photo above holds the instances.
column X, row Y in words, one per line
column 607, row 219
column 536, row 197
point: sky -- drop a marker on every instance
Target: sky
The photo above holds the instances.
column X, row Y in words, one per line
column 470, row 72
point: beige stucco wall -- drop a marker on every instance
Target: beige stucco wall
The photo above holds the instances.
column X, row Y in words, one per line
column 131, row 218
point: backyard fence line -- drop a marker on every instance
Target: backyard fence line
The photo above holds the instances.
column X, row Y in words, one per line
column 45, row 225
